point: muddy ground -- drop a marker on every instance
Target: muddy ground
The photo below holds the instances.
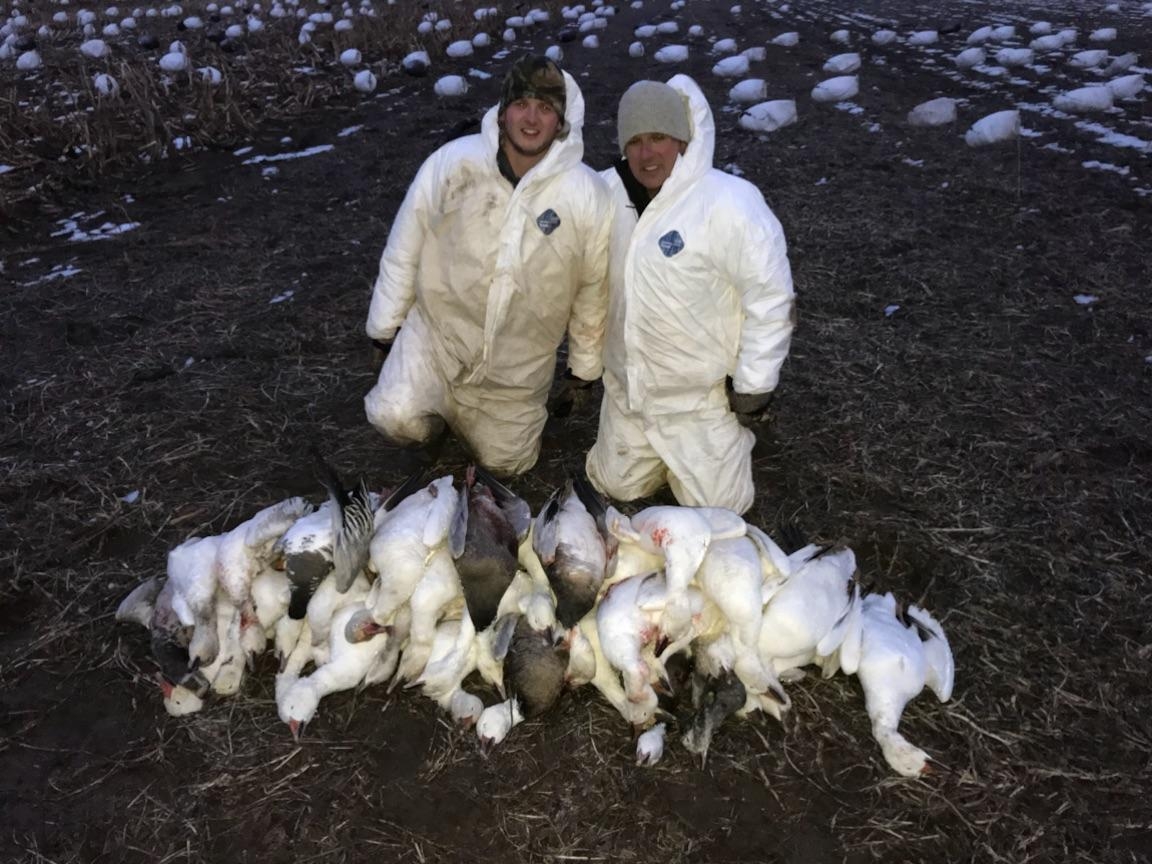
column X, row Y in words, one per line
column 984, row 446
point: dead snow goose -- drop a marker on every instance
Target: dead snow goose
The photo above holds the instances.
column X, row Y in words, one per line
column 897, row 659
column 496, row 721
column 150, row 605
column 812, row 613
column 681, row 535
column 534, row 668
column 650, row 746
column 731, row 577
column 571, row 549
column 192, row 577
column 718, row 699
column 628, row 623
column 348, row 664
column 496, row 521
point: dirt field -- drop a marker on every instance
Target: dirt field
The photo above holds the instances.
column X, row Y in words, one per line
column 986, row 445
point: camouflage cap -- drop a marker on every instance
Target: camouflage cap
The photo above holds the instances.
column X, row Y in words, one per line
column 534, row 77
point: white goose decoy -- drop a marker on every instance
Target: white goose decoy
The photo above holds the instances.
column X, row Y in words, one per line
column 896, row 660
column 1126, row 86
column 837, row 89
column 347, row 666
column 996, row 127
column 970, row 57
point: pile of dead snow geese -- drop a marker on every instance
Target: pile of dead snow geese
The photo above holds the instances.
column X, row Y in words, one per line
column 676, row 614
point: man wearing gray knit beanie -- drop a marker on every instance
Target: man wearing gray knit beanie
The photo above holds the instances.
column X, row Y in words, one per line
column 653, row 129
column 700, row 309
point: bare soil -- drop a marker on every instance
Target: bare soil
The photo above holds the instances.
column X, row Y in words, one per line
column 985, row 446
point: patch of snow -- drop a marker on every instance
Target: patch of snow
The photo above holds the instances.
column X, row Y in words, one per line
column 284, row 157
column 1122, row 170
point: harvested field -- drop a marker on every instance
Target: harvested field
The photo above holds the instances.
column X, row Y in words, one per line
column 967, row 404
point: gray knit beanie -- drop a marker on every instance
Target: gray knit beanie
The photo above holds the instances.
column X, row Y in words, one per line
column 652, row 106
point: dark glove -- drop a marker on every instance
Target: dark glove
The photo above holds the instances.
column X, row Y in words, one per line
column 749, row 408
column 572, row 392
column 380, row 349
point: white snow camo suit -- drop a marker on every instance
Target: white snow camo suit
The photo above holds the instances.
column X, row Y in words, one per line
column 485, row 280
column 700, row 289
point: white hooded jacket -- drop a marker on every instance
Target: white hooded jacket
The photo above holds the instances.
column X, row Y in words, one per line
column 497, row 273
column 700, row 288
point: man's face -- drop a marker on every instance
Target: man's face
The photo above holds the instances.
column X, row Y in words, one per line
column 530, row 126
column 651, row 157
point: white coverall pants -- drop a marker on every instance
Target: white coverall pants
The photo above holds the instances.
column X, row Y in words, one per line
column 411, row 399
column 704, row 456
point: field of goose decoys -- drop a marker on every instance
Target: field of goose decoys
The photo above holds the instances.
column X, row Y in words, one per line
column 236, row 625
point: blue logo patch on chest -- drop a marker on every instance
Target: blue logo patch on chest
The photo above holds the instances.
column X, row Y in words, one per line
column 671, row 243
column 548, row 221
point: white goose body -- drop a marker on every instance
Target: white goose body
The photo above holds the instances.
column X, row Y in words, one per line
column 192, row 578
column 628, row 622
column 811, row 613
column 405, row 541
column 682, row 535
column 437, row 596
column 452, row 659
column 603, row 677
column 327, row 601
column 731, row 577
column 896, row 662
column 650, row 746
column 271, row 594
column 245, row 549
column 243, row 553
column 496, row 721
column 347, row 666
